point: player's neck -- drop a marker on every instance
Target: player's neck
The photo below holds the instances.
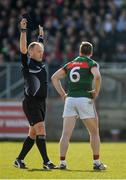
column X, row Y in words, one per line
column 83, row 55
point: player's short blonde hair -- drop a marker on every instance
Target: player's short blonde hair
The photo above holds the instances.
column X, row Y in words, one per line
column 32, row 45
column 86, row 48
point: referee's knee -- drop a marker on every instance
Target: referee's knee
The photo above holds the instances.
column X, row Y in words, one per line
column 32, row 136
column 40, row 128
column 32, row 133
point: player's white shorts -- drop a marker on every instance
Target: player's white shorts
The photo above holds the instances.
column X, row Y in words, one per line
column 79, row 106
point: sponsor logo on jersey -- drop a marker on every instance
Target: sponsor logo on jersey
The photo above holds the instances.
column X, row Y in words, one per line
column 83, row 65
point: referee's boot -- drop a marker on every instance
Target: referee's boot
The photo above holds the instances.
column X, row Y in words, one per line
column 100, row 166
column 20, row 164
column 49, row 165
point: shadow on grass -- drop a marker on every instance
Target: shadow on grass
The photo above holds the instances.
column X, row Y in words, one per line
column 70, row 170
column 67, row 170
column 96, row 171
column 35, row 169
column 78, row 170
column 50, row 170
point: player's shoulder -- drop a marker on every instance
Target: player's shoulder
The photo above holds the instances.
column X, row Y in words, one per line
column 92, row 62
column 70, row 62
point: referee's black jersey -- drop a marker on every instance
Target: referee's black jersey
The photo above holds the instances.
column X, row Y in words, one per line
column 35, row 78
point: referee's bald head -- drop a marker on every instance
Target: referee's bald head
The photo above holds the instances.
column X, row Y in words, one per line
column 32, row 45
column 36, row 50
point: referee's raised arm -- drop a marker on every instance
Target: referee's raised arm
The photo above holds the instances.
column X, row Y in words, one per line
column 23, row 36
column 41, row 34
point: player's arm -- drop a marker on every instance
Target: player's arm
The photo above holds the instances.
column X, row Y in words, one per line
column 23, row 36
column 97, row 81
column 56, row 77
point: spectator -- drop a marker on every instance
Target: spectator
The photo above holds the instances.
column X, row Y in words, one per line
column 102, row 22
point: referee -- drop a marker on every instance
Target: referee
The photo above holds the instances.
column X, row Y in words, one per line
column 35, row 90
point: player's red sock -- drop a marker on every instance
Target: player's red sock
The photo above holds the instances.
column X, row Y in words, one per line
column 62, row 158
column 95, row 157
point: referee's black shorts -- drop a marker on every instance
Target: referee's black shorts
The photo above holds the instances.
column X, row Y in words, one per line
column 34, row 110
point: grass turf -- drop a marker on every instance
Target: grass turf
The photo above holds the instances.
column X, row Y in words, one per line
column 79, row 159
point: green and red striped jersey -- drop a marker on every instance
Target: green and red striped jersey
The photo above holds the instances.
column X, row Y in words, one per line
column 79, row 76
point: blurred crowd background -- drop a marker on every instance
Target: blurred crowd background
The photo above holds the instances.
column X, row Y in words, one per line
column 66, row 24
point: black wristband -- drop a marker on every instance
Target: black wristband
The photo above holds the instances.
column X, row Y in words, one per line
column 40, row 39
column 23, row 30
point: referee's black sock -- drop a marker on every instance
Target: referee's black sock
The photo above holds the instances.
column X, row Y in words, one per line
column 28, row 143
column 41, row 144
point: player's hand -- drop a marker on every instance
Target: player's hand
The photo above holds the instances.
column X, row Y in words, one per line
column 94, row 93
column 23, row 23
column 64, row 97
column 41, row 32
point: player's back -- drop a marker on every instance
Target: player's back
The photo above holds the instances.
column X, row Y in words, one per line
column 79, row 76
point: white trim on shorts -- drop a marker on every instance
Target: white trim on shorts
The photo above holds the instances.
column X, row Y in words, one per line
column 79, row 106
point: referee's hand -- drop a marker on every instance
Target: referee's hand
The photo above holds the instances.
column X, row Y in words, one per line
column 41, row 32
column 23, row 23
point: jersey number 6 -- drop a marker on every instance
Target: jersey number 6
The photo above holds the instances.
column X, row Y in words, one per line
column 74, row 75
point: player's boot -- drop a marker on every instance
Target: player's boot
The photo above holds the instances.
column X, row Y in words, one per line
column 20, row 164
column 63, row 165
column 49, row 165
column 100, row 166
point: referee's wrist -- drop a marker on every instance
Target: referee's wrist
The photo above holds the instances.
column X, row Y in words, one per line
column 40, row 39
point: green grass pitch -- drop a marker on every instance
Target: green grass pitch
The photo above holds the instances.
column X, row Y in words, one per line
column 79, row 159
